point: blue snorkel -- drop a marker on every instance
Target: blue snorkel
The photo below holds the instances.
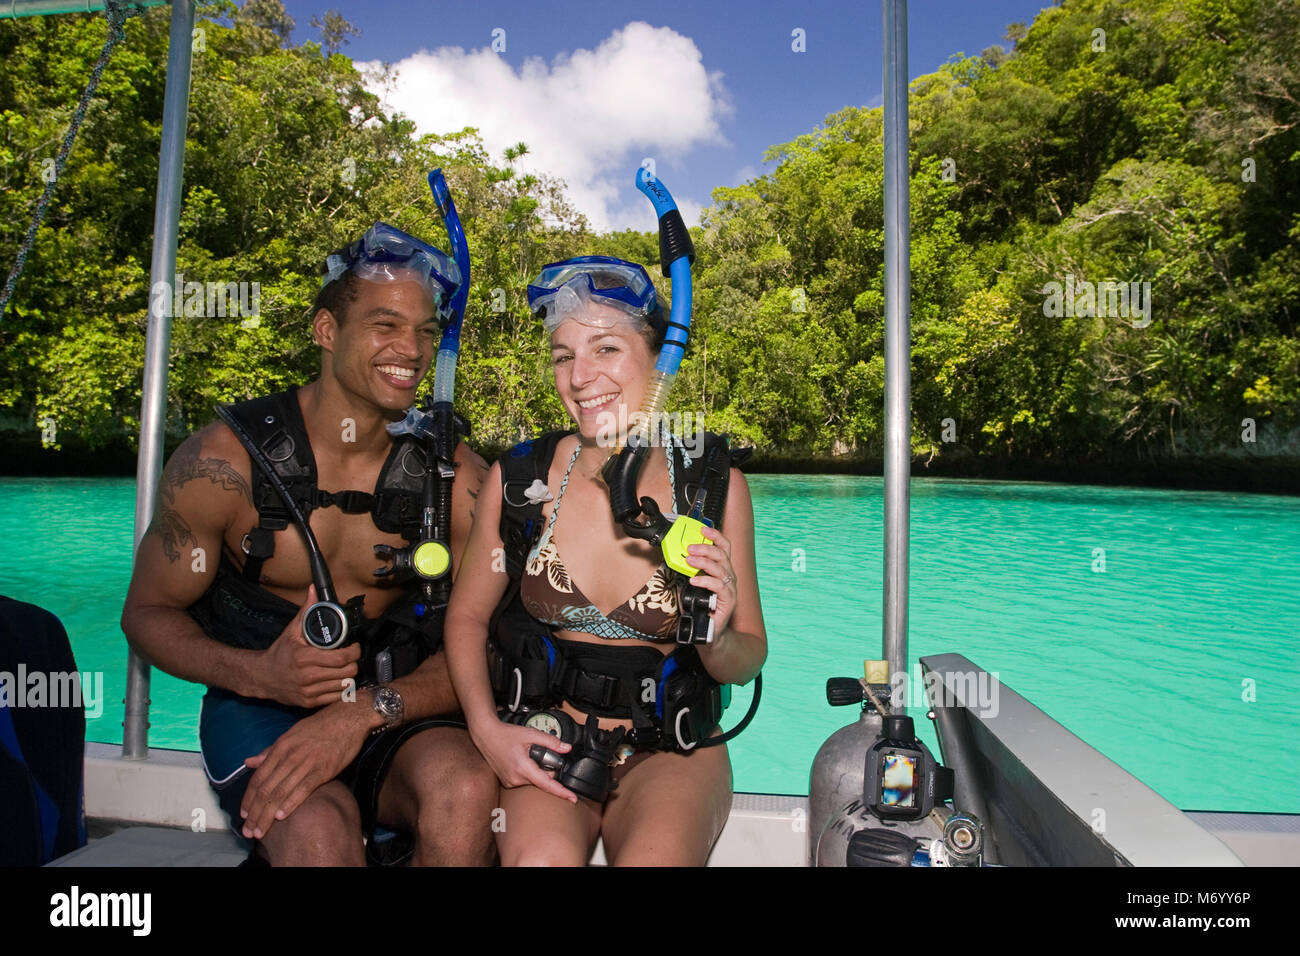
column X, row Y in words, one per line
column 674, row 536
column 429, row 555
column 444, row 374
column 676, row 254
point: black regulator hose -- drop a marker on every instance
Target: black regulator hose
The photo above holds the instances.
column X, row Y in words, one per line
column 325, row 624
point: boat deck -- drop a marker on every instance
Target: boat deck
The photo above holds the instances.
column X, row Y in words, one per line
column 186, row 828
column 750, row 839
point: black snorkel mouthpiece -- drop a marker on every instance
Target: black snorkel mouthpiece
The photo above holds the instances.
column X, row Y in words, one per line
column 620, row 474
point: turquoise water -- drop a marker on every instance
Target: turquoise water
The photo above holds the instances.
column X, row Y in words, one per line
column 1178, row 660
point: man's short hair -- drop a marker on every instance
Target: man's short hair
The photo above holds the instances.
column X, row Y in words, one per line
column 337, row 296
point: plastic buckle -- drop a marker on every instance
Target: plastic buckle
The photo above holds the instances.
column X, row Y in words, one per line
column 578, row 684
column 353, row 502
column 594, row 687
column 677, row 730
column 608, row 690
column 518, row 676
column 644, row 737
column 258, row 543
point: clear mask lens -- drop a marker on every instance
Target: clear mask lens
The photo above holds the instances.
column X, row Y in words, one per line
column 599, row 291
column 386, row 254
column 575, row 301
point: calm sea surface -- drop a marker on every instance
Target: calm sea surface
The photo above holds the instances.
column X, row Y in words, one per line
column 1161, row 627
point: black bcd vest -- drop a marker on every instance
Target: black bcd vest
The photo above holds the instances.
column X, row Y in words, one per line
column 524, row 664
column 238, row 611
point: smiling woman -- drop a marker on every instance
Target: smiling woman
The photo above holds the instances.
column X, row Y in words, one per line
column 599, row 715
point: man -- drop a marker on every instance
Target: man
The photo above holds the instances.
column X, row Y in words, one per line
column 303, row 754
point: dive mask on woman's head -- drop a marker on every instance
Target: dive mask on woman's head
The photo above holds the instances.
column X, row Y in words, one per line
column 563, row 290
column 386, row 254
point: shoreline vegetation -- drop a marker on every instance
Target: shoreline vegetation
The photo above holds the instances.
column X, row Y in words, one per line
column 1243, row 472
column 1105, row 276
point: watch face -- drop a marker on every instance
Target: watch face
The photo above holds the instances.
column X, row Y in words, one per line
column 546, row 723
column 388, row 702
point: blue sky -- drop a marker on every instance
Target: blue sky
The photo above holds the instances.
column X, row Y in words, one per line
column 702, row 87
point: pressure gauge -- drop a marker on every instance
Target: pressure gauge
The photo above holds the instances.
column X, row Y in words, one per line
column 554, row 722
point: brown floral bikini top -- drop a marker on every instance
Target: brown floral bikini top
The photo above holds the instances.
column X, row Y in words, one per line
column 551, row 597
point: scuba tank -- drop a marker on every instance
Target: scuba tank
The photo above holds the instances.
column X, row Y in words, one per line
column 851, row 820
column 835, row 808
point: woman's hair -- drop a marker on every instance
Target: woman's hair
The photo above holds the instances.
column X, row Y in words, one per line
column 655, row 329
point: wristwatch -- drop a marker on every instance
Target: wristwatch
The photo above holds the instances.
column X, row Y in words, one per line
column 388, row 705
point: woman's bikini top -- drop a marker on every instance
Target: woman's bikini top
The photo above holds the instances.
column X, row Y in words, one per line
column 551, row 596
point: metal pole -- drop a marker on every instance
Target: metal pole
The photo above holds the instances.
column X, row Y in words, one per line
column 153, row 408
column 898, row 373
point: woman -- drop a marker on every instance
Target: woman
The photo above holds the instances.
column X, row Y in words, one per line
column 606, row 325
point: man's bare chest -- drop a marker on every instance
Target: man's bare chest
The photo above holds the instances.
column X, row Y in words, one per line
column 346, row 540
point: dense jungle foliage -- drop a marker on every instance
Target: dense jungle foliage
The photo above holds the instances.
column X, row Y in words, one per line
column 1143, row 142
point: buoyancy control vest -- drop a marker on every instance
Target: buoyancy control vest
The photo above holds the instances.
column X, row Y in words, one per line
column 237, row 611
column 671, row 700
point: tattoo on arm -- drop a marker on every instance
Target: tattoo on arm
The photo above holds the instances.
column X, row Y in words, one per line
column 185, row 466
column 173, row 530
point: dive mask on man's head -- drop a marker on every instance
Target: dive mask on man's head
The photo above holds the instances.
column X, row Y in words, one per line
column 564, row 290
column 386, row 254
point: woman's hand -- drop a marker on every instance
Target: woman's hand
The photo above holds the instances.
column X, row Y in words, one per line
column 505, row 748
column 716, row 574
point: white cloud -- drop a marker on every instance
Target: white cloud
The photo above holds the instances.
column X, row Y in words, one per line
column 589, row 116
column 637, row 213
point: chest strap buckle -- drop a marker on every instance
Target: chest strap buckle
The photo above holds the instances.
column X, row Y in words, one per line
column 349, row 502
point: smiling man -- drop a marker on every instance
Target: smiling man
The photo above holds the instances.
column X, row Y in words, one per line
column 309, row 748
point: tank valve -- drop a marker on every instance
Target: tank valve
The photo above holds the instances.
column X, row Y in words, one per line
column 963, row 841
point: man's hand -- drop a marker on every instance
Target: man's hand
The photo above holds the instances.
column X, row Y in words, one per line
column 309, row 754
column 301, row 675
